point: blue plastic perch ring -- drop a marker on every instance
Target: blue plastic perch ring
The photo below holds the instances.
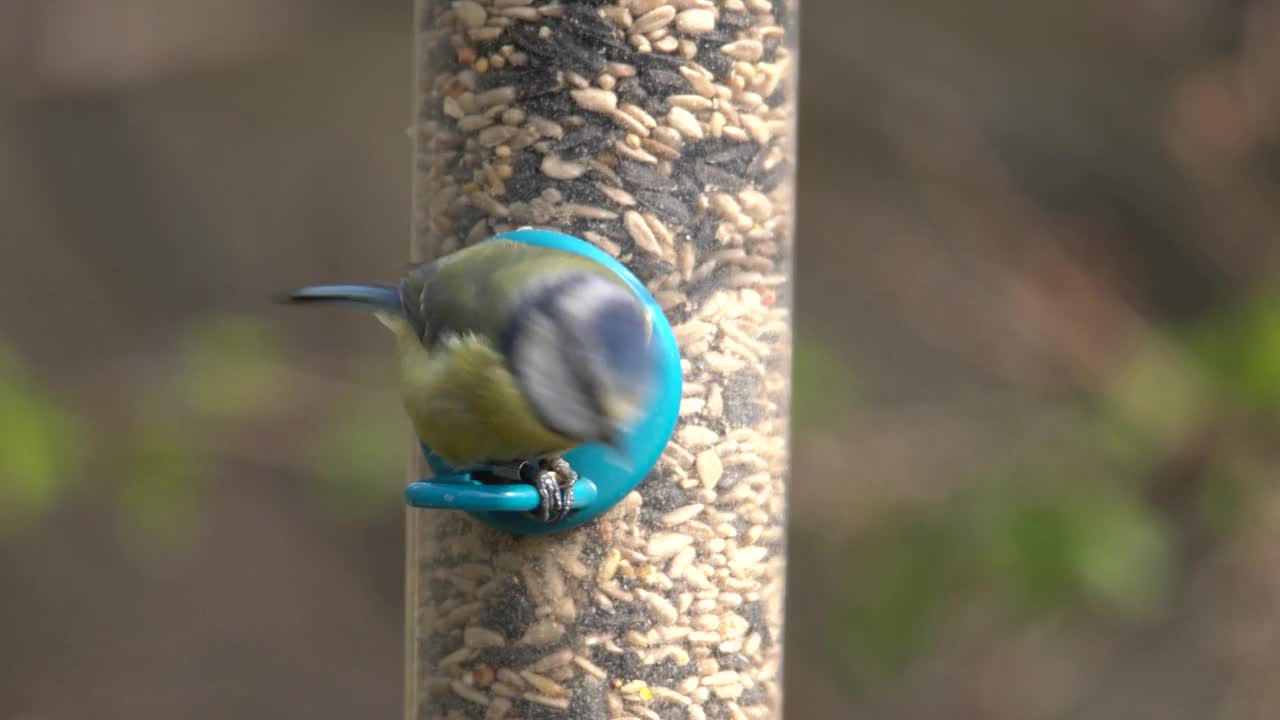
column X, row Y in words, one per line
column 604, row 478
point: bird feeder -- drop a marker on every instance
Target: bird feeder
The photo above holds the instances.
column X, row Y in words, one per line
column 657, row 138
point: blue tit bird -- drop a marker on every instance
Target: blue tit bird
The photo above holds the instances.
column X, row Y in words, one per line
column 511, row 355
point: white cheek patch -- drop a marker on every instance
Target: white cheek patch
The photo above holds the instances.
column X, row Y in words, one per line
column 581, row 300
column 549, row 382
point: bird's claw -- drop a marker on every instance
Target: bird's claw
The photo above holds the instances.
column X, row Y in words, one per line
column 554, row 480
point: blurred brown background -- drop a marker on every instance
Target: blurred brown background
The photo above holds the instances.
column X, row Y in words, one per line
column 1037, row 251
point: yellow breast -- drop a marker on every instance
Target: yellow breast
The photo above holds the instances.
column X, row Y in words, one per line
column 466, row 407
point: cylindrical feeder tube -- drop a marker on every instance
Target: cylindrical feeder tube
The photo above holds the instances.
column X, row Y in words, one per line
column 662, row 131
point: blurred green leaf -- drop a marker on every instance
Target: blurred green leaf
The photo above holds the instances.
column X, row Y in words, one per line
column 1226, row 492
column 904, row 579
column 1157, row 400
column 1037, row 535
column 1241, row 348
column 40, row 447
column 358, row 461
column 1030, row 550
column 158, row 494
column 822, row 386
column 230, row 368
column 1121, row 558
column 1057, row 549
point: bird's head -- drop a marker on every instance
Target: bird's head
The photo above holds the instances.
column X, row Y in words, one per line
column 580, row 349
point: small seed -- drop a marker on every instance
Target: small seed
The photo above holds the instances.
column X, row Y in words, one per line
column 734, row 626
column 472, row 123
column 667, row 44
column 589, row 212
column 660, row 231
column 543, row 632
column 724, row 677
column 635, row 153
column 620, row 70
column 749, row 556
column 697, row 436
column 480, row 637
column 717, row 124
column 629, row 122
column 620, row 16
column 558, row 703
column 732, row 691
column 682, row 514
column 589, row 667
column 546, row 128
column 528, row 14
column 457, row 657
column 659, row 149
column 511, row 677
column 554, row 166
column 513, row 116
column 640, row 7
column 696, row 21
column 616, row 194
column 466, row 692
column 757, row 128
column 662, row 608
column 640, row 233
column 638, row 113
column 496, row 135
column 690, row 102
column 715, row 401
column 756, row 204
column 710, row 469
column 669, row 695
column 499, row 708
column 656, row 18
column 553, row 661
column 748, row 50
column 544, row 685
column 684, row 122
column 701, row 83
column 668, row 136
column 663, row 545
column 470, row 13
column 485, row 34
column 595, row 100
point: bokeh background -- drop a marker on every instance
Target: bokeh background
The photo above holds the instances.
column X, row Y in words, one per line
column 1037, row 375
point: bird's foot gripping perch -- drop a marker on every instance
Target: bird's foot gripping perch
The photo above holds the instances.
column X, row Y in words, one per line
column 554, row 480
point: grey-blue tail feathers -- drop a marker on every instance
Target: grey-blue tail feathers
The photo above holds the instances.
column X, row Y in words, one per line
column 368, row 297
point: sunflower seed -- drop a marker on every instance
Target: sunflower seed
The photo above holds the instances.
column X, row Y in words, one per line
column 684, row 122
column 470, row 13
column 656, row 18
column 554, row 166
column 595, row 99
column 640, row 233
column 696, row 21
